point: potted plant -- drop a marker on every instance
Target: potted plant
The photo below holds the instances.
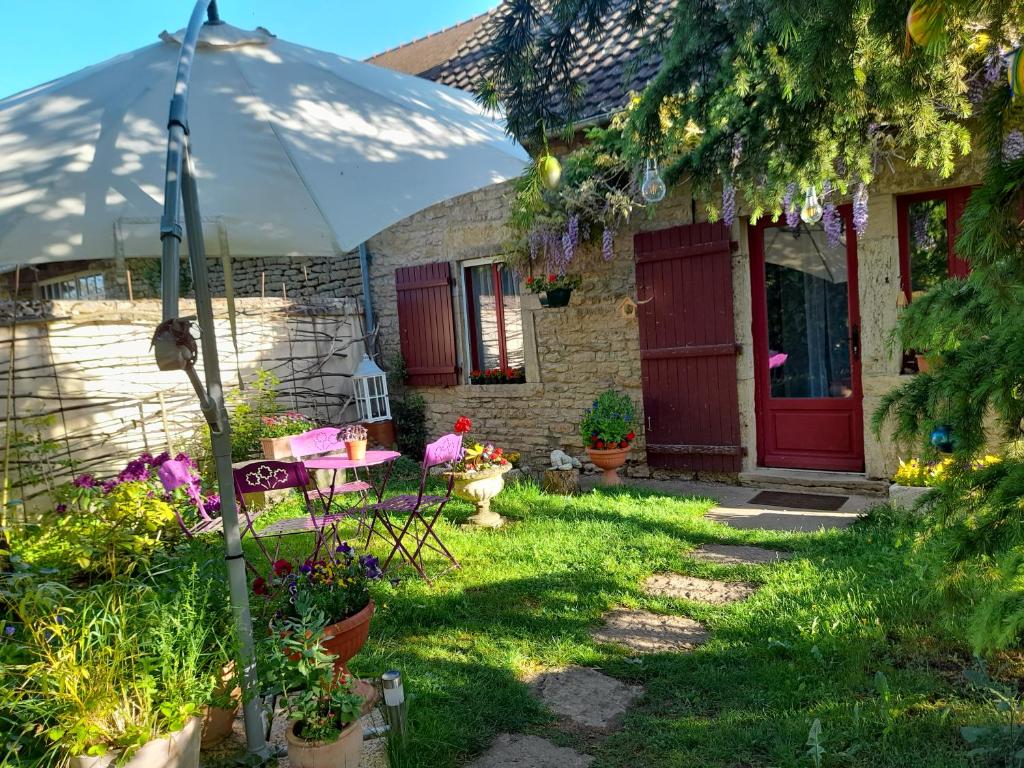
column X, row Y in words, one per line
column 498, row 376
column 339, row 588
column 479, row 476
column 354, row 437
column 607, row 431
column 915, row 478
column 277, row 430
column 220, row 712
column 557, row 289
column 324, row 707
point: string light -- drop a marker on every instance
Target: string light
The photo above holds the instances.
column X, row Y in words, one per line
column 812, row 211
column 653, row 188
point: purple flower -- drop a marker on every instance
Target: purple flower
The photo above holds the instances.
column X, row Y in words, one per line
column 608, row 244
column 570, row 240
column 345, row 549
column 85, row 481
column 535, row 237
column 860, row 209
column 791, row 210
column 1013, row 146
column 61, row 509
column 306, row 568
column 371, row 567
column 184, row 458
column 159, row 460
column 212, row 503
column 728, row 204
column 136, row 469
column 833, row 225
column 9, row 630
column 109, row 485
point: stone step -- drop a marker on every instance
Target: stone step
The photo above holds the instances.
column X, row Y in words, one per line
column 810, row 481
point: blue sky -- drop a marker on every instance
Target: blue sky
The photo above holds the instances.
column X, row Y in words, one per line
column 44, row 39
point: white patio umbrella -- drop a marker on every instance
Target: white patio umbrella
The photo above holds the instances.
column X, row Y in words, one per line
column 297, row 152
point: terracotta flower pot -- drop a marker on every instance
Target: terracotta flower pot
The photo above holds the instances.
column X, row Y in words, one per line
column 381, row 433
column 217, row 721
column 345, row 751
column 347, row 637
column 276, row 448
column 608, row 460
column 356, row 449
column 479, row 488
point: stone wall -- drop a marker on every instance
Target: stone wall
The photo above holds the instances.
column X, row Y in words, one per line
column 576, row 352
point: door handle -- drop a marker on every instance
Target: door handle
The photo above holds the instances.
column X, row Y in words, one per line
column 855, row 342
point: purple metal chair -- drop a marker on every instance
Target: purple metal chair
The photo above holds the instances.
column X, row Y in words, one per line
column 422, row 510
column 317, row 442
column 263, row 476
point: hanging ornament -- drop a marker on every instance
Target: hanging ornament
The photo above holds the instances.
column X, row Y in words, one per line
column 942, row 438
column 652, row 189
column 811, row 212
column 1015, row 72
column 550, row 171
column 925, row 21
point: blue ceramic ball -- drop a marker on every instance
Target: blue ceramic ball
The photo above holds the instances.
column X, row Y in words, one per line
column 942, row 438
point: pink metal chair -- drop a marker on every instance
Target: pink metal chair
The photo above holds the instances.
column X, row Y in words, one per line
column 317, row 442
column 264, row 476
column 422, row 510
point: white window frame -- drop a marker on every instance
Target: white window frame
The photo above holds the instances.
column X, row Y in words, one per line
column 467, row 350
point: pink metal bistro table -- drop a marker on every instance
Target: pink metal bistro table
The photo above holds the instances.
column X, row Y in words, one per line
column 338, row 463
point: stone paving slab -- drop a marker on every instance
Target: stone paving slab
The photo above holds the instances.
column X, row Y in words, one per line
column 585, row 696
column 646, row 632
column 677, row 586
column 517, row 751
column 793, row 521
column 731, row 554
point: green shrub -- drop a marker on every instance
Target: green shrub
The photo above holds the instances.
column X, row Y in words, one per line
column 609, row 422
column 410, row 415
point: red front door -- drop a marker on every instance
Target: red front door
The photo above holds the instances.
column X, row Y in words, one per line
column 807, row 348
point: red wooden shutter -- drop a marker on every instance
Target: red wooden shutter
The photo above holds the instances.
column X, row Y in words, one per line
column 956, row 201
column 688, row 348
column 425, row 324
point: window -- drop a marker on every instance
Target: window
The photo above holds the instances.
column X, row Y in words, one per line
column 929, row 224
column 73, row 287
column 494, row 321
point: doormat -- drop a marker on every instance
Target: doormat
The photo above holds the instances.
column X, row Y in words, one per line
column 799, row 500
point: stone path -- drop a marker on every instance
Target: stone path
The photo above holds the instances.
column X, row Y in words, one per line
column 646, row 632
column 585, row 697
column 730, row 554
column 699, row 590
column 515, row 751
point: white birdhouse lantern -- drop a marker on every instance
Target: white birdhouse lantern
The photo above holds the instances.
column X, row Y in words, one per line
column 371, row 390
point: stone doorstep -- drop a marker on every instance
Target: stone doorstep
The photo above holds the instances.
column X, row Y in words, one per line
column 810, row 481
column 518, row 751
column 585, row 697
column 709, row 591
column 646, row 632
column 732, row 554
column 780, row 520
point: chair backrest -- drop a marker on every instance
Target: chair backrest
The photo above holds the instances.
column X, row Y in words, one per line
column 316, row 441
column 443, row 450
column 262, row 476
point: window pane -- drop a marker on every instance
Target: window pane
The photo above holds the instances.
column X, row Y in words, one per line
column 808, row 314
column 513, row 318
column 928, row 247
column 483, row 318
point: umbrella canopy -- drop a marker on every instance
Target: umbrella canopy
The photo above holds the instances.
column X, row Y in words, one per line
column 297, row 151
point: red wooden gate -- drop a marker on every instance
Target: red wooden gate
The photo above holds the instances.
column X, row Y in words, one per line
column 688, row 348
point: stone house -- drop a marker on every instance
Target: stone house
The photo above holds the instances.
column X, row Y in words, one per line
column 757, row 352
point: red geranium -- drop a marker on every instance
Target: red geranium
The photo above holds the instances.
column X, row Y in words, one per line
column 282, row 567
column 552, row 278
column 259, row 585
column 529, row 280
column 600, row 443
column 630, row 436
column 623, row 444
column 463, row 425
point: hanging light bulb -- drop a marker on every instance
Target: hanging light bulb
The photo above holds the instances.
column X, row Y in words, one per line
column 653, row 188
column 811, row 212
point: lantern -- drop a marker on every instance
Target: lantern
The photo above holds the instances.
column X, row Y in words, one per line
column 942, row 438
column 370, row 385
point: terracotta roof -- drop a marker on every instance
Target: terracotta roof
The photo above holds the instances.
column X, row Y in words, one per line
column 610, row 68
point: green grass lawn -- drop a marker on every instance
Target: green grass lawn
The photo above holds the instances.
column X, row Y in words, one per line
column 844, row 632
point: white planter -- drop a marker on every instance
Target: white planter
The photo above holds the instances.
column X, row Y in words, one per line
column 176, row 750
column 905, row 496
column 479, row 488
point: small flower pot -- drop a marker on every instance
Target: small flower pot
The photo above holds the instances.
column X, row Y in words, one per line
column 356, row 449
column 479, row 488
column 345, row 751
column 559, row 297
column 608, row 460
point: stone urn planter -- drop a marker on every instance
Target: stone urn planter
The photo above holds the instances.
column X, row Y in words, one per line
column 345, row 751
column 608, row 460
column 480, row 487
column 179, row 749
column 906, row 496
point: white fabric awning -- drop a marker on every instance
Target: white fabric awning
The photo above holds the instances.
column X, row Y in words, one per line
column 298, row 151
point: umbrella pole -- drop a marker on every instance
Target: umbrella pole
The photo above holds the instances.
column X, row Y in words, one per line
column 220, row 437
